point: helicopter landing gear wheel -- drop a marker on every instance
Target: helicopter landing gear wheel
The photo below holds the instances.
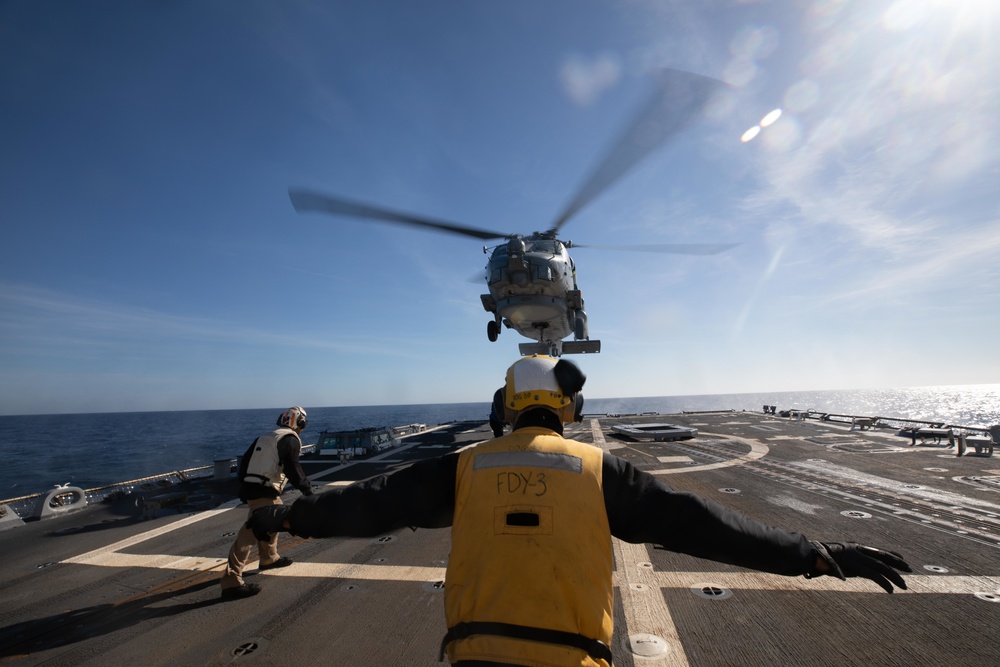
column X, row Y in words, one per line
column 492, row 330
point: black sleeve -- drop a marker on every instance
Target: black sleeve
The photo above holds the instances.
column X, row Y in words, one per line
column 288, row 452
column 421, row 496
column 642, row 509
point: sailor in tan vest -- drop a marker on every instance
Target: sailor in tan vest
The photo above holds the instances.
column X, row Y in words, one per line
column 269, row 462
column 532, row 514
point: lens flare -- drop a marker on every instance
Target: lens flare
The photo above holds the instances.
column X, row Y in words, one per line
column 750, row 134
column 770, row 118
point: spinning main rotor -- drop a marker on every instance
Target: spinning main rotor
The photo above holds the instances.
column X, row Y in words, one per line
column 677, row 100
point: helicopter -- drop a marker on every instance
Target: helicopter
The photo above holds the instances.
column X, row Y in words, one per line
column 531, row 279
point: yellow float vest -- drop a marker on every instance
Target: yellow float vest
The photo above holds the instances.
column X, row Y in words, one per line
column 529, row 578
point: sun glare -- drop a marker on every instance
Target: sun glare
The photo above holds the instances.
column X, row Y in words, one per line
column 963, row 14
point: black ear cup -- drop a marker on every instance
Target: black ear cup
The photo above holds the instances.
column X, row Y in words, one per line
column 499, row 398
column 569, row 378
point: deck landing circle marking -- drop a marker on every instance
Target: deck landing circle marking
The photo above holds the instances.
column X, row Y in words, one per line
column 647, row 645
column 936, row 568
column 729, row 490
column 856, row 514
column 434, row 586
column 988, row 597
column 757, row 450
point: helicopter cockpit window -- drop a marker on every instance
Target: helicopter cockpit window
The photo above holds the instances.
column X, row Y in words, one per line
column 545, row 245
column 543, row 273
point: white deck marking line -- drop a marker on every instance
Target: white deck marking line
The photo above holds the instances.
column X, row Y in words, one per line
column 150, row 534
column 150, row 561
column 646, row 611
column 362, row 571
column 917, row 584
column 757, row 450
column 629, row 556
column 598, row 433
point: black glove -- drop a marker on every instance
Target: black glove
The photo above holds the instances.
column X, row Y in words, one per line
column 306, row 489
column 856, row 560
column 266, row 521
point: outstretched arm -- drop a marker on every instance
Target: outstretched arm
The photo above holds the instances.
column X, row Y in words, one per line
column 641, row 508
column 420, row 496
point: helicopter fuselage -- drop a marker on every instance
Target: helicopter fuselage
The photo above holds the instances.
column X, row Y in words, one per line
column 533, row 290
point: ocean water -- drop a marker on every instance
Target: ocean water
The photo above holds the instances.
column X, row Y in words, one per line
column 93, row 450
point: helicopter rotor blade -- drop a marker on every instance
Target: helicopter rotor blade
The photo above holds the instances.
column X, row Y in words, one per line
column 668, row 248
column 306, row 201
column 679, row 98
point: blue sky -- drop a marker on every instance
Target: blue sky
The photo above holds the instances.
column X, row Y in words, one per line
column 152, row 260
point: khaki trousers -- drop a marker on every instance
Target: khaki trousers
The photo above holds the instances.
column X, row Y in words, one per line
column 239, row 554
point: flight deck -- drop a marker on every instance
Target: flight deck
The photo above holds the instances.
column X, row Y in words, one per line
column 106, row 585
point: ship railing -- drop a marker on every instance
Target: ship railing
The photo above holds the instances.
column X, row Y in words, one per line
column 897, row 423
column 23, row 505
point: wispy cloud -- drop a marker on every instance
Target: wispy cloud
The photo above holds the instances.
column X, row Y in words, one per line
column 585, row 79
column 970, row 257
column 884, row 173
column 36, row 320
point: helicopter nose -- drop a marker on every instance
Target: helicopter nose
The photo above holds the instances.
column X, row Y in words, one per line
column 519, row 278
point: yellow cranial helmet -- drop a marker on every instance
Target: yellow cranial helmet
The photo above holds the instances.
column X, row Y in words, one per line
column 542, row 381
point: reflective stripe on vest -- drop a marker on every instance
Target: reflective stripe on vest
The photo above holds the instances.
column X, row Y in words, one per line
column 530, row 571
